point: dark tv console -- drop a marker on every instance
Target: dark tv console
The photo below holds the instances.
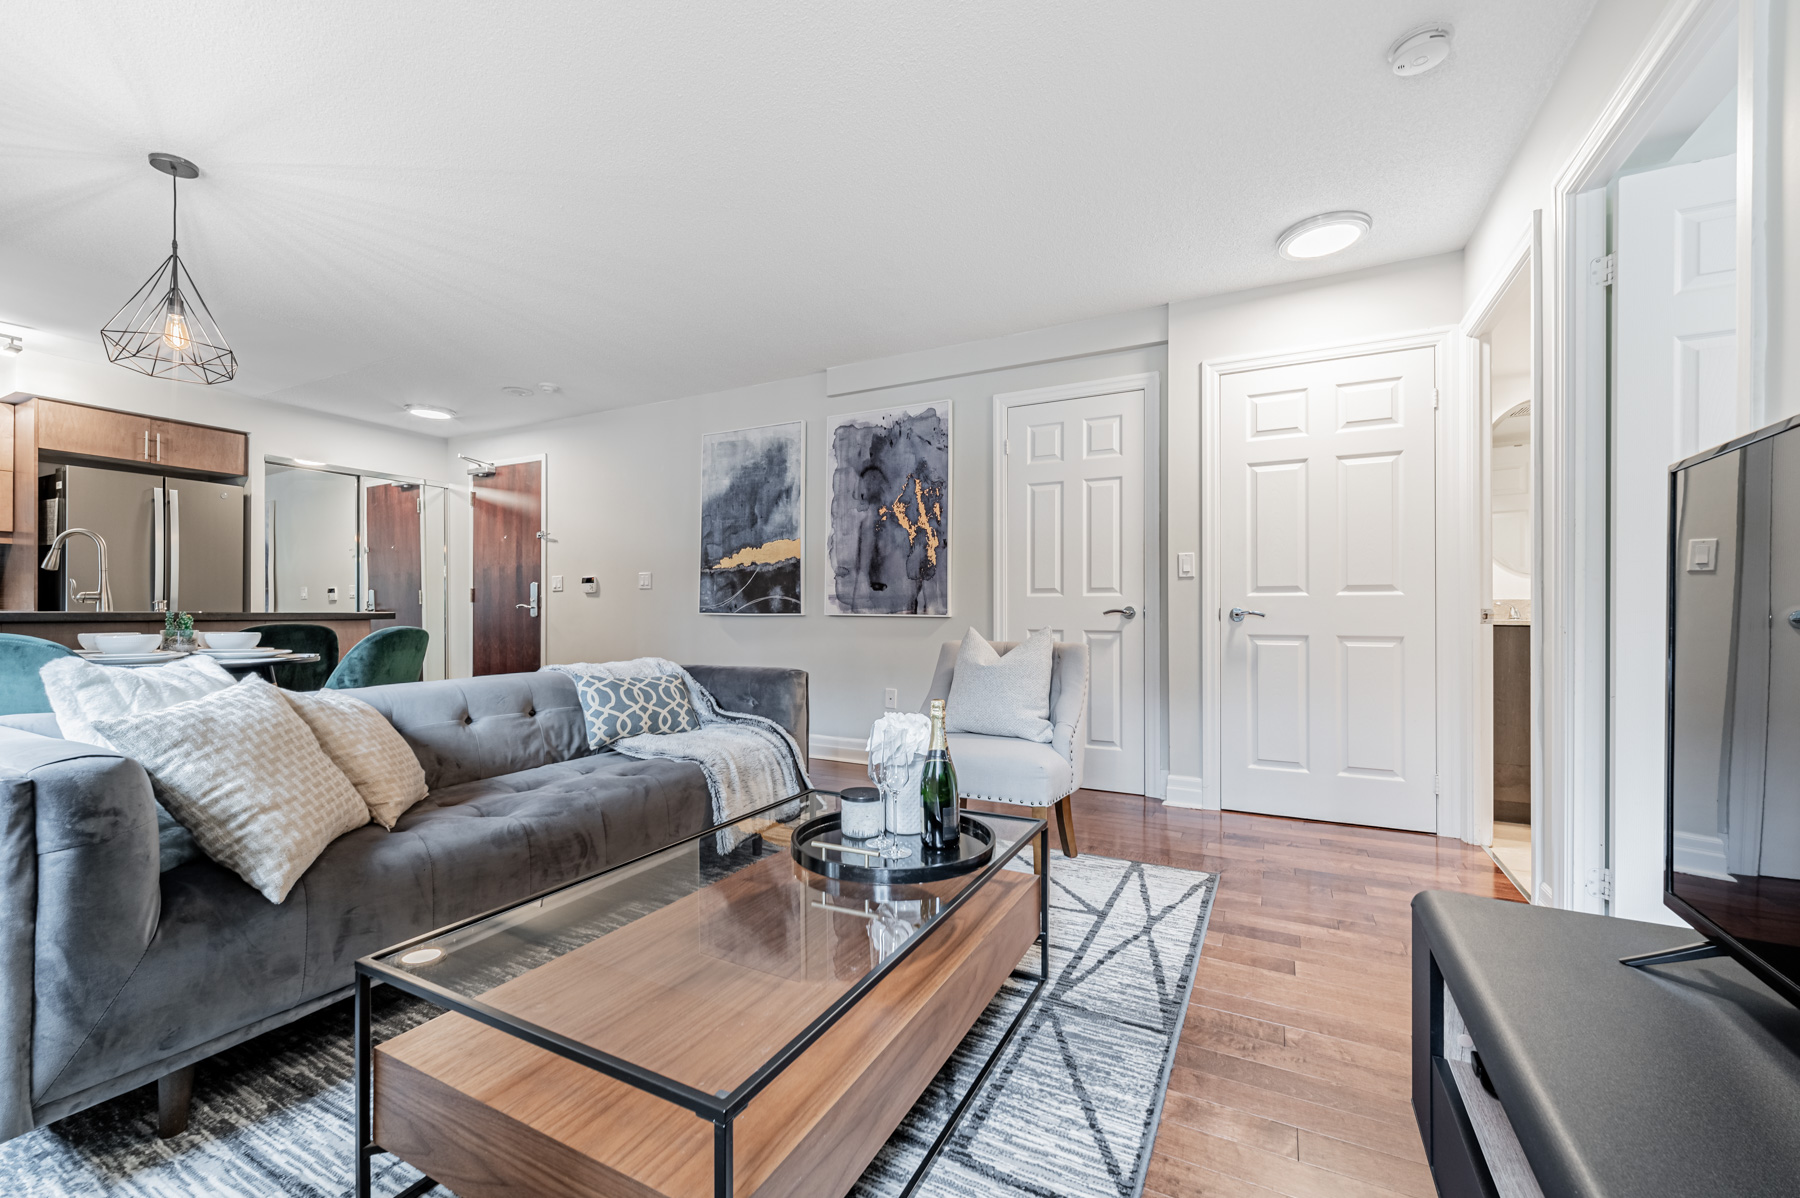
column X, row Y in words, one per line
column 1676, row 1079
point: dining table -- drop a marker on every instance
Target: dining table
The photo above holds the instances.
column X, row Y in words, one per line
column 263, row 665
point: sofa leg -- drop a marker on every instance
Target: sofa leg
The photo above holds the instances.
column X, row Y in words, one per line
column 1037, row 844
column 173, row 1094
column 1065, row 825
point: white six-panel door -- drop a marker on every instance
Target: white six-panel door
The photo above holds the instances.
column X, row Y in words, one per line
column 1074, row 525
column 1327, row 525
column 1674, row 394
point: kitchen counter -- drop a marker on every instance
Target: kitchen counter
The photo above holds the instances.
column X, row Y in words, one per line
column 63, row 626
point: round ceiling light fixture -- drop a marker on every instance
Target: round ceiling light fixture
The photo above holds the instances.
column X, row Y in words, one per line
column 429, row 412
column 1420, row 51
column 1327, row 233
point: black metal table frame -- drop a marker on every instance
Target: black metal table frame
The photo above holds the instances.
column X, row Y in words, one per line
column 720, row 1109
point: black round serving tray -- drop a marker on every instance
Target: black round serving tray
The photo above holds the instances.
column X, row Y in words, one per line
column 974, row 849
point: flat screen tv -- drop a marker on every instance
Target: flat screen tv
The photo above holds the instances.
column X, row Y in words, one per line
column 1733, row 768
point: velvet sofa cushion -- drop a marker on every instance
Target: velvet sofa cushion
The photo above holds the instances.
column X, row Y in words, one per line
column 21, row 657
column 462, row 851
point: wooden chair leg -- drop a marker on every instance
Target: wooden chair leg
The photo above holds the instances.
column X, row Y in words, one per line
column 1037, row 845
column 1065, row 825
column 173, row 1094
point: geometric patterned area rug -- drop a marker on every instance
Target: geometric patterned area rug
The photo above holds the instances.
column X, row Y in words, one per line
column 1070, row 1111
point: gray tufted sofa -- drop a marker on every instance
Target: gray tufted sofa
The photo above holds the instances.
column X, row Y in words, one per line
column 114, row 974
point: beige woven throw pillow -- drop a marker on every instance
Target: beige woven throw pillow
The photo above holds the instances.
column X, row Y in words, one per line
column 360, row 741
column 245, row 775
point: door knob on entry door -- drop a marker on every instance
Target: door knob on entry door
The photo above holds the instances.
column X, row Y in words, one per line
column 1130, row 613
column 531, row 607
column 1238, row 614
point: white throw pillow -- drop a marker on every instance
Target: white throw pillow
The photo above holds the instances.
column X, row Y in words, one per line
column 81, row 691
column 360, row 741
column 1002, row 696
column 245, row 775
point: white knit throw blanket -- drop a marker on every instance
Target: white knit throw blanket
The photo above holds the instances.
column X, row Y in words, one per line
column 749, row 762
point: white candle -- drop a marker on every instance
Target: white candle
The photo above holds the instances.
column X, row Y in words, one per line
column 861, row 814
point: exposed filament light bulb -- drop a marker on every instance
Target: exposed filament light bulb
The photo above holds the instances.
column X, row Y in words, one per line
column 175, row 330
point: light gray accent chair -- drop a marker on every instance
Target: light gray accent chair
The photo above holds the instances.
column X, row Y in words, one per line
column 120, row 967
column 1000, row 769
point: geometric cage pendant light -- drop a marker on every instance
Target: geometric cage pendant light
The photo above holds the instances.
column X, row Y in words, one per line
column 165, row 329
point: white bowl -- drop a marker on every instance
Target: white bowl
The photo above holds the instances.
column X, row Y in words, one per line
column 231, row 640
column 127, row 642
column 86, row 640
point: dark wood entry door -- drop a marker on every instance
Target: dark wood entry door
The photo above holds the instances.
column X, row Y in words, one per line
column 508, row 512
column 395, row 564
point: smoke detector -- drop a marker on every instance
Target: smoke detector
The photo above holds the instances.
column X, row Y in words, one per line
column 550, row 388
column 1420, row 51
column 517, row 392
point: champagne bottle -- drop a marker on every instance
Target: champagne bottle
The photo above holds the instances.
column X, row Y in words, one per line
column 937, row 790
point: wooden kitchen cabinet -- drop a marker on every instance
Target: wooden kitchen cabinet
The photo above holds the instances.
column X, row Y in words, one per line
column 199, row 447
column 100, row 433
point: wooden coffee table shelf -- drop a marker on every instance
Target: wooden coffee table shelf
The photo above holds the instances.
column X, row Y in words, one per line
column 704, row 991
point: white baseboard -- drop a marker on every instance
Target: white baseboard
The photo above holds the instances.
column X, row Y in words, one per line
column 839, row 748
column 1185, row 790
column 1701, row 854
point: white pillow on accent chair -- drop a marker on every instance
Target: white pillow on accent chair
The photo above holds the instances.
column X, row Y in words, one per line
column 360, row 741
column 1002, row 696
column 81, row 691
column 247, row 777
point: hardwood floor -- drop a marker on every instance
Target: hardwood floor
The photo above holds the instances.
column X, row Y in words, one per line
column 1292, row 1074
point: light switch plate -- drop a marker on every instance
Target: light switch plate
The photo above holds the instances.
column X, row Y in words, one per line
column 1184, row 565
column 556, row 582
column 644, row 580
column 1703, row 555
column 303, row 592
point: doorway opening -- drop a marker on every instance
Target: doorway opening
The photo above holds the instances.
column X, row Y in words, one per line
column 1508, row 391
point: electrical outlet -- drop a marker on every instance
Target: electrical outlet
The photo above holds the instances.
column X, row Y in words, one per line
column 1184, row 565
column 890, row 699
column 644, row 580
column 556, row 582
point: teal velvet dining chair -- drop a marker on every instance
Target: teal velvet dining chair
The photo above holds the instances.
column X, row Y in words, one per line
column 21, row 657
column 301, row 638
column 391, row 655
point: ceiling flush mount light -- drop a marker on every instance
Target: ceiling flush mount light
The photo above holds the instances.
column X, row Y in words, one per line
column 1327, row 233
column 13, row 345
column 166, row 329
column 429, row 412
column 1420, row 50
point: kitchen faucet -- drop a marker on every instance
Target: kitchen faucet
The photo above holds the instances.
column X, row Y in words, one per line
column 101, row 598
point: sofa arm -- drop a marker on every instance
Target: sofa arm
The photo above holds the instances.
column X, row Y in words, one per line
column 775, row 694
column 80, row 898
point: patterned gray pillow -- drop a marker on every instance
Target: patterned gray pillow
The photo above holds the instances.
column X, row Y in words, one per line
column 615, row 708
column 1002, row 696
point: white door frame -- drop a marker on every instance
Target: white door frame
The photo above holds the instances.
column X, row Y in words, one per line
column 1476, row 457
column 1156, row 771
column 1569, row 608
column 1455, row 497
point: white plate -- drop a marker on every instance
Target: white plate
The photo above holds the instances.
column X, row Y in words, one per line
column 127, row 659
column 236, row 654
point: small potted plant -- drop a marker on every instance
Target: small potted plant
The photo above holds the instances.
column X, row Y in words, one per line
column 178, row 631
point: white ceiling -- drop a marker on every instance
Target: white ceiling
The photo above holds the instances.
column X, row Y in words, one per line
column 424, row 202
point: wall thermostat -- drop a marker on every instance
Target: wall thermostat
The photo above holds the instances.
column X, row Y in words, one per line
column 590, row 584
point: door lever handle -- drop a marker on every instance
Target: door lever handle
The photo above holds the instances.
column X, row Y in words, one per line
column 531, row 607
column 1238, row 614
column 1130, row 613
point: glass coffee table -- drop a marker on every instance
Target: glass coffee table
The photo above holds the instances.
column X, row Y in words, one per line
column 712, row 1018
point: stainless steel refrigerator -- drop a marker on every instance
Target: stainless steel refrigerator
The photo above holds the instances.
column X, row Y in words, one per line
column 171, row 543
